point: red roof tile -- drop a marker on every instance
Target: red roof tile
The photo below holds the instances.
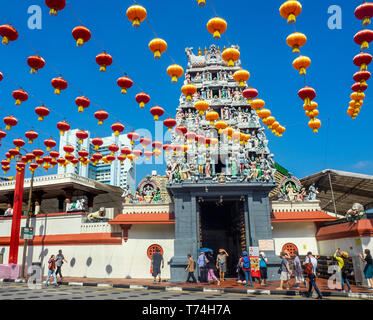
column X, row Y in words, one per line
column 301, row 216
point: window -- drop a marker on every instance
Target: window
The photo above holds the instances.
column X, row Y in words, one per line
column 152, row 248
column 291, row 247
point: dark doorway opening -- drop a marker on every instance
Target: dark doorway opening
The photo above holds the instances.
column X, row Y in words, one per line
column 222, row 227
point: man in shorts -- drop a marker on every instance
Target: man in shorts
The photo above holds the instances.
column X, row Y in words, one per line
column 285, row 272
column 221, row 263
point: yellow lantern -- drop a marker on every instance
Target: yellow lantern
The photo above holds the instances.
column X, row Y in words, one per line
column 136, row 14
column 241, row 76
column 220, row 126
column 175, row 71
column 157, row 46
column 212, row 116
column 296, row 40
column 301, row 64
column 290, row 10
column 189, row 90
column 201, row 106
column 216, row 26
column 257, row 104
column 230, row 55
column 314, row 124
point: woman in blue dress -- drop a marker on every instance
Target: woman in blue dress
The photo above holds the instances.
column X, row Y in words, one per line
column 368, row 270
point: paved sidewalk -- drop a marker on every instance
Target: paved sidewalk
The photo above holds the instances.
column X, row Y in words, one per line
column 228, row 286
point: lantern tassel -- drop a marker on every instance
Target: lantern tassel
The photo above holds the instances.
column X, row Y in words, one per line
column 5, row 40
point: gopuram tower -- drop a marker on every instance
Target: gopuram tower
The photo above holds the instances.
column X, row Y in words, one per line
column 219, row 167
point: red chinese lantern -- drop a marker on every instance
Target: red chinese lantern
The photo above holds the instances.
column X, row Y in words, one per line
column 142, row 99
column 125, row 152
column 362, row 76
column 53, row 162
column 121, row 158
column 101, row 115
column 1, row 76
column 82, row 103
column 29, row 157
column 358, row 87
column 83, row 154
column 5, row 169
column 117, row 128
column 54, row 154
column 157, row 145
column 2, row 135
column 362, row 60
column 5, row 163
column 363, row 38
column 36, row 63
column 55, row 6
column 31, row 136
column 200, row 139
column 157, row 112
column 8, row 33
column 7, row 155
column 59, row 84
column 49, row 143
column 68, row 149
column 74, row 161
column 364, row 12
column 47, row 159
column 104, row 60
column 113, row 148
column 63, row 126
column 20, row 166
column 38, row 153
column 148, row 154
column 81, row 135
column 110, row 158
column 133, row 136
column 190, row 136
column 124, row 83
column 81, row 35
column 19, row 143
column 42, row 112
column 250, row 94
column 137, row 153
column 97, row 142
column 33, row 167
column 181, row 130
column 13, row 153
column 307, row 94
column 169, row 123
column 96, row 157
column 61, row 161
column 145, row 142
column 20, row 96
column 10, row 122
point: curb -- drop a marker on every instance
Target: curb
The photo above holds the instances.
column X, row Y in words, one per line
column 368, row 296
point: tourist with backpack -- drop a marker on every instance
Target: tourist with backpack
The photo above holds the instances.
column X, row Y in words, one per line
column 246, row 268
column 51, row 271
column 263, row 268
column 190, row 267
column 240, row 273
column 343, row 268
column 368, row 269
column 310, row 269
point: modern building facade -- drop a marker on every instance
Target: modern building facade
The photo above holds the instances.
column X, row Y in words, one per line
column 117, row 174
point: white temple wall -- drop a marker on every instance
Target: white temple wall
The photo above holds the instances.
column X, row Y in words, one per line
column 302, row 234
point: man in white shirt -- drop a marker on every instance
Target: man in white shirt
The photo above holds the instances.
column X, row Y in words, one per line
column 312, row 277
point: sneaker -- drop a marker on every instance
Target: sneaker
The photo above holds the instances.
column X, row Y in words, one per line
column 239, row 281
column 344, row 291
column 246, row 285
column 244, row 281
column 349, row 291
column 296, row 287
column 252, row 286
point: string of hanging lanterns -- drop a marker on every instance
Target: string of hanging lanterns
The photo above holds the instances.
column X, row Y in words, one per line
column 363, row 12
column 290, row 10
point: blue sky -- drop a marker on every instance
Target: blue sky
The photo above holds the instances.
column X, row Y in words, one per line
column 256, row 27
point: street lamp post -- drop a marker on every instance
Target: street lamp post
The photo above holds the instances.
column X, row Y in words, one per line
column 29, row 213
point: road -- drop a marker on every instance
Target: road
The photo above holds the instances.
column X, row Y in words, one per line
column 20, row 291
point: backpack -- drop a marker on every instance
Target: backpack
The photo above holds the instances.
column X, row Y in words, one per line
column 246, row 263
column 308, row 267
column 50, row 264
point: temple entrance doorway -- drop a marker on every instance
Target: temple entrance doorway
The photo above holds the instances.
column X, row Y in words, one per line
column 222, row 226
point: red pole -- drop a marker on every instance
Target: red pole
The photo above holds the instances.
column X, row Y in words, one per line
column 17, row 213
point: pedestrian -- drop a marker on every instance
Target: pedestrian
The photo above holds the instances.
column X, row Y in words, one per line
column 246, row 268
column 310, row 264
column 368, row 269
column 343, row 268
column 221, row 263
column 263, row 268
column 60, row 258
column 240, row 273
column 298, row 272
column 51, row 271
column 285, row 271
column 190, row 268
column 157, row 259
column 210, row 268
column 202, row 267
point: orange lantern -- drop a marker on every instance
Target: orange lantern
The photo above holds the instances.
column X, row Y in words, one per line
column 257, row 104
column 189, row 90
column 212, row 116
column 290, row 10
column 314, row 124
column 296, row 40
column 230, row 55
column 301, row 64
column 175, row 71
column 241, row 76
column 157, row 46
column 201, row 106
column 281, row 130
column 264, row 113
column 216, row 26
column 220, row 125
column 136, row 14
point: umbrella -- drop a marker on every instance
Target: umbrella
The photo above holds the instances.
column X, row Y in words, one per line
column 205, row 250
